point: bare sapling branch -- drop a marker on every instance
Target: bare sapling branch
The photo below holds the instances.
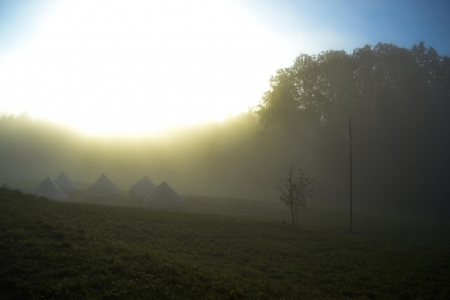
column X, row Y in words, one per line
column 295, row 188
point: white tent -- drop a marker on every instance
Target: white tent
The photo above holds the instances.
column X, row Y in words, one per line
column 50, row 190
column 66, row 184
column 102, row 187
column 142, row 188
column 163, row 195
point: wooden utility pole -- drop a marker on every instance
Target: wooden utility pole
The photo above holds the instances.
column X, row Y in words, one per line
column 347, row 138
column 351, row 183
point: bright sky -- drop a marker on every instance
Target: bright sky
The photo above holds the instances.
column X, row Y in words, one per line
column 136, row 67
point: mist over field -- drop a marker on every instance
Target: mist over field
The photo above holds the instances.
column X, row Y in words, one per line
column 217, row 159
column 398, row 100
column 129, row 70
column 235, row 158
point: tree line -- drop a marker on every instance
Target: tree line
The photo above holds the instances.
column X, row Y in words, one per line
column 399, row 100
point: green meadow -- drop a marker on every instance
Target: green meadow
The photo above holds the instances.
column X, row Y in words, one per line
column 215, row 248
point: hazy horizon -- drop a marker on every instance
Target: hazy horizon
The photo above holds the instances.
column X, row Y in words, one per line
column 138, row 67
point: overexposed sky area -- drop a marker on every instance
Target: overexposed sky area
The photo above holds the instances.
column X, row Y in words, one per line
column 137, row 67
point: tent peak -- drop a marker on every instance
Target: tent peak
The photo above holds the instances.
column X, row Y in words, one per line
column 65, row 183
column 163, row 195
column 102, row 187
column 141, row 188
column 50, row 190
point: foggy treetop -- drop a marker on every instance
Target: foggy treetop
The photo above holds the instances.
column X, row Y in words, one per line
column 326, row 87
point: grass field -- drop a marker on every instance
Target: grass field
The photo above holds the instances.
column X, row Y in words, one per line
column 214, row 248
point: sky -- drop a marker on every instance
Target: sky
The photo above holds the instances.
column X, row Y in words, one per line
column 139, row 67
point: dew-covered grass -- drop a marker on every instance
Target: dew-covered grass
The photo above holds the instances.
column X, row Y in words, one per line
column 52, row 249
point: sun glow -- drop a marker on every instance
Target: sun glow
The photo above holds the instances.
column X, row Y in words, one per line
column 133, row 67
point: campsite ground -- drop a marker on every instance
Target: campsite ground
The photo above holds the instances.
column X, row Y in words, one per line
column 215, row 248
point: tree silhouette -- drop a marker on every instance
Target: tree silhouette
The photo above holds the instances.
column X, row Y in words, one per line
column 400, row 99
column 295, row 188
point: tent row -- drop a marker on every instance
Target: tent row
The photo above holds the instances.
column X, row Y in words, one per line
column 56, row 190
column 144, row 189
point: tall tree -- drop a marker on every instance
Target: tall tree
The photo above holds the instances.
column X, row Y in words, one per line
column 399, row 99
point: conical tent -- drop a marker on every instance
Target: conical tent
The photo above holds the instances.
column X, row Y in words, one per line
column 102, row 187
column 50, row 190
column 163, row 195
column 142, row 188
column 66, row 184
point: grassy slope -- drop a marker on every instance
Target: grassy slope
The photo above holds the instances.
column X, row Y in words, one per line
column 73, row 250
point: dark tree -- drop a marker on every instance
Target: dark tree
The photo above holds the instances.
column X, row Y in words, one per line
column 295, row 188
column 400, row 99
